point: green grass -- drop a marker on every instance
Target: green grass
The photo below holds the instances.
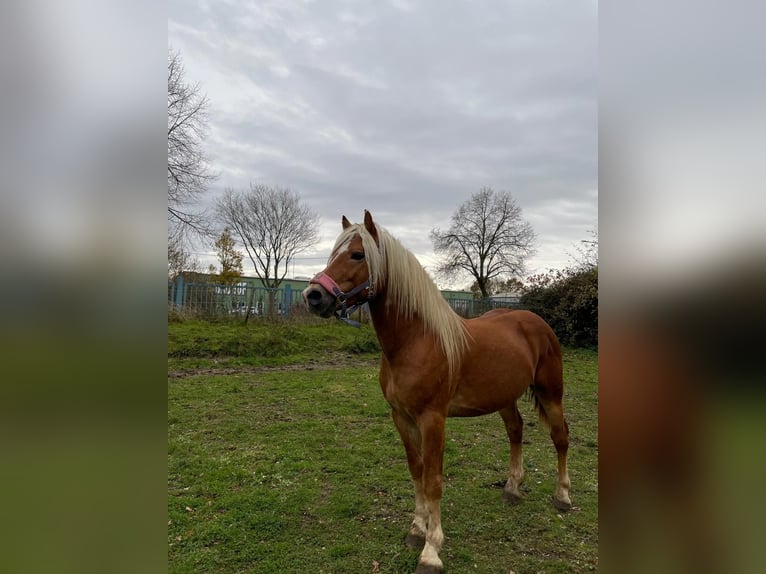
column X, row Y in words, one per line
column 195, row 344
column 300, row 469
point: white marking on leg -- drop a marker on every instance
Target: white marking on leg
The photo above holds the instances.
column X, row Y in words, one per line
column 511, row 490
column 430, row 556
column 562, row 488
column 434, row 537
column 516, row 470
column 420, row 522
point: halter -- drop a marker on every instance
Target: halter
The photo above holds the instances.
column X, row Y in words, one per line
column 331, row 286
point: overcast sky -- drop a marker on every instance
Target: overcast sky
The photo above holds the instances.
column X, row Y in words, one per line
column 403, row 108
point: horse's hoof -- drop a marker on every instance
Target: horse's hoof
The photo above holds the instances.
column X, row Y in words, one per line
column 428, row 569
column 562, row 505
column 415, row 541
column 512, row 497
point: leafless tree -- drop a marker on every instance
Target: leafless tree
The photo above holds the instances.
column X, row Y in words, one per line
column 188, row 171
column 586, row 256
column 179, row 257
column 273, row 225
column 488, row 239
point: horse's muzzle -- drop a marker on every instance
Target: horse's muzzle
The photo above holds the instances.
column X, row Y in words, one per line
column 319, row 301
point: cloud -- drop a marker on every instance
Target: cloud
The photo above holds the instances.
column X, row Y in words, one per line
column 404, row 108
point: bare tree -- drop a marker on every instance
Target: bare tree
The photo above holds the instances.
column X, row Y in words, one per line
column 179, row 257
column 273, row 226
column 188, row 171
column 497, row 286
column 586, row 256
column 488, row 239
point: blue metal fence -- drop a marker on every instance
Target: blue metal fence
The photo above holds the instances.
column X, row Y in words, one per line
column 213, row 299
column 217, row 299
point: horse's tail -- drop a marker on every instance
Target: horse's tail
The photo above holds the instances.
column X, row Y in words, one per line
column 533, row 395
column 548, row 384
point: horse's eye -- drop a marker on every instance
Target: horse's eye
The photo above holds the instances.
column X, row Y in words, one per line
column 357, row 256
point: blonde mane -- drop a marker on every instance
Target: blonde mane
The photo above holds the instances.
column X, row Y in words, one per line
column 394, row 268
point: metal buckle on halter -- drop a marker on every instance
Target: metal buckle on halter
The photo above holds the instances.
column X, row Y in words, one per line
column 344, row 313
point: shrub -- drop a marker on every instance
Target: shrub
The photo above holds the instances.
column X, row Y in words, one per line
column 568, row 301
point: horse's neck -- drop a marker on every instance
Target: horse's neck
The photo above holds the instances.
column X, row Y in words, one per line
column 395, row 331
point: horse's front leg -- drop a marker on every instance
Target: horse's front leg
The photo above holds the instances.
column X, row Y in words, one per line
column 431, row 427
column 410, row 435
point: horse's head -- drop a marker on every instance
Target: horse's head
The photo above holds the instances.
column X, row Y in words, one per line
column 346, row 281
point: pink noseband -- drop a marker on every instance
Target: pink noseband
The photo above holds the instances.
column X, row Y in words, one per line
column 328, row 283
column 331, row 286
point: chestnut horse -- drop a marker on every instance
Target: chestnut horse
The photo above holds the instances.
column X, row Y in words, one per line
column 435, row 365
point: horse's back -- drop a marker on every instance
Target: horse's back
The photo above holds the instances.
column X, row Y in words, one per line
column 516, row 338
column 494, row 313
column 525, row 327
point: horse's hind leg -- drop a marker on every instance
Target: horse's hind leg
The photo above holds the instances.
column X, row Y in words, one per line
column 554, row 412
column 514, row 426
column 549, row 390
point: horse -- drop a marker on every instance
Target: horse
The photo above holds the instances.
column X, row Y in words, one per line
column 435, row 365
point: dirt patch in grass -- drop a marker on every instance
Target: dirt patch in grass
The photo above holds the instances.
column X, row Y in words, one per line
column 337, row 361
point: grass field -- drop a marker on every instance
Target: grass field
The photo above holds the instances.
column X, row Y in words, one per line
column 282, row 458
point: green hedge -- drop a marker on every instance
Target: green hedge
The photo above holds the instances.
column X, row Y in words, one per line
column 568, row 301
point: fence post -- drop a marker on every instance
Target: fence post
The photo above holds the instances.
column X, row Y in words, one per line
column 179, row 291
column 287, row 299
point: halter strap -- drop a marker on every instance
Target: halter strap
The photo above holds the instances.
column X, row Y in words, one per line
column 331, row 286
column 328, row 283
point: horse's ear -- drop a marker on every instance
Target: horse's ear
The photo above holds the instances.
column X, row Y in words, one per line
column 369, row 225
column 345, row 223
